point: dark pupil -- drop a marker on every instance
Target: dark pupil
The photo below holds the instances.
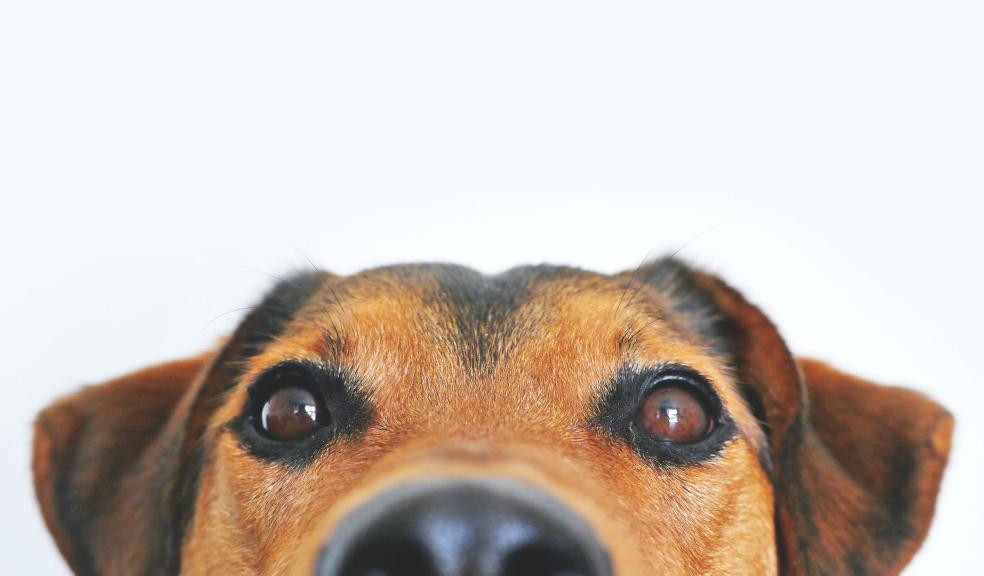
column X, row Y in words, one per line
column 289, row 414
column 675, row 415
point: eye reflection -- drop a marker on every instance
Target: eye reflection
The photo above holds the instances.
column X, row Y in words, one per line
column 672, row 415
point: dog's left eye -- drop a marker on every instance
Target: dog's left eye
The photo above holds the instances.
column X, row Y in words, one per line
column 670, row 415
column 674, row 413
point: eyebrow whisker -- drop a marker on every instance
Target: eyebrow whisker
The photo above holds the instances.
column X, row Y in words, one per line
column 665, row 260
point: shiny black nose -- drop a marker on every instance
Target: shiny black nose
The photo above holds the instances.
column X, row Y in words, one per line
column 490, row 527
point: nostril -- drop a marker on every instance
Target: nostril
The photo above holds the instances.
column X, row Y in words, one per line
column 542, row 559
column 389, row 557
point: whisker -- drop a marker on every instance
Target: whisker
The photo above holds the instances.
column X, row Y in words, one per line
column 634, row 335
column 309, row 261
column 635, row 272
column 663, row 261
column 226, row 313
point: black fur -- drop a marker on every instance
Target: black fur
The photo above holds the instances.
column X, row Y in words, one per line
column 484, row 309
column 74, row 523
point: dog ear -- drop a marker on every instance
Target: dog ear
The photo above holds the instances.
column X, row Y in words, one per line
column 856, row 466
column 92, row 449
column 116, row 465
column 891, row 446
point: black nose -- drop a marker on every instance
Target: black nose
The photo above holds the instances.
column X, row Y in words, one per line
column 489, row 527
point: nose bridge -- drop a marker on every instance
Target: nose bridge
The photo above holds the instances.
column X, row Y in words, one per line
column 544, row 460
column 463, row 526
column 481, row 407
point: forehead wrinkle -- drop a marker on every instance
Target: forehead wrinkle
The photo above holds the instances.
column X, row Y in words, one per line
column 472, row 315
column 571, row 342
column 482, row 313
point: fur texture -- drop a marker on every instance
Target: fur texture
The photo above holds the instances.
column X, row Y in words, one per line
column 467, row 375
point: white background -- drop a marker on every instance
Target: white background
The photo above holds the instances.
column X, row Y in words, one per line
column 159, row 160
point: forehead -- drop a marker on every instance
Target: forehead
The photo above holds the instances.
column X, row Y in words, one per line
column 427, row 340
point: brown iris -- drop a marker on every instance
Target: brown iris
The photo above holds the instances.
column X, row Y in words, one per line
column 674, row 414
column 290, row 414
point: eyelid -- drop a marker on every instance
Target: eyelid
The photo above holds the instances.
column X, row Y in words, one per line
column 281, row 370
column 691, row 378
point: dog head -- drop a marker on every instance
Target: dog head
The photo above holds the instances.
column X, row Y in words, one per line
column 427, row 419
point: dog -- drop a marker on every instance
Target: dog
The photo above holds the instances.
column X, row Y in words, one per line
column 429, row 420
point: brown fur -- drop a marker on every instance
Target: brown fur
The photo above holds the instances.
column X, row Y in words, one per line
column 143, row 475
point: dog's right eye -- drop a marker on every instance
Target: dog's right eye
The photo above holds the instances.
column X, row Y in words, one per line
column 294, row 410
column 288, row 407
column 290, row 414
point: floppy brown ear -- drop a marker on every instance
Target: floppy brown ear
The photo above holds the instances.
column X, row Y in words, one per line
column 885, row 449
column 116, row 466
column 99, row 459
column 855, row 466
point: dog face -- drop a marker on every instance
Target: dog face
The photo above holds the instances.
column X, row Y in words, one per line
column 430, row 420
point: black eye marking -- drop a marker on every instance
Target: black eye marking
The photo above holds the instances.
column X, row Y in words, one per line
column 670, row 415
column 294, row 410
